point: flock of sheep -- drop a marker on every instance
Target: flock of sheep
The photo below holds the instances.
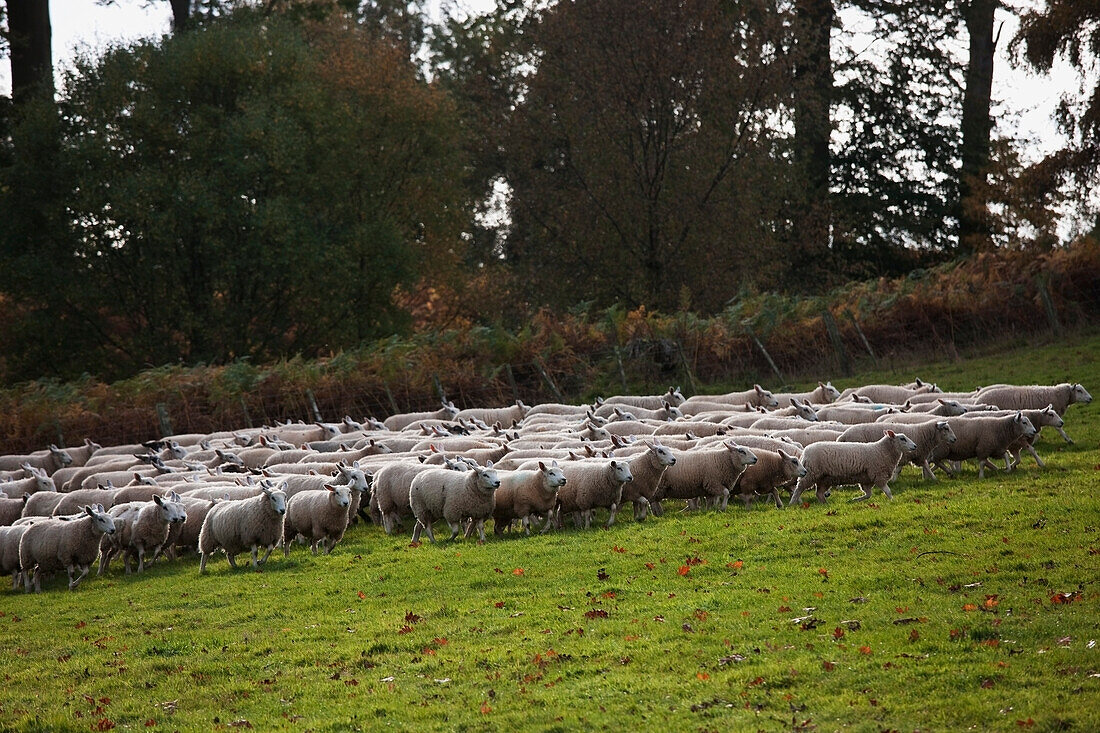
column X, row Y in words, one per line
column 255, row 490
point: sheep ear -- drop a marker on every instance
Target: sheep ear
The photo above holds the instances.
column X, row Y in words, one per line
column 783, row 453
column 89, row 511
column 488, row 464
column 542, row 466
column 330, row 487
column 758, row 388
column 554, row 463
column 891, row 433
column 158, row 500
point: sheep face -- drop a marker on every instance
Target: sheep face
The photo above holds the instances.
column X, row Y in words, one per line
column 952, row 407
column 341, row 492
column 621, row 471
column 555, row 478
column 664, row 455
column 103, row 521
column 487, row 479
column 624, row 416
column 355, row 477
column 741, row 456
column 1025, row 425
column 903, row 441
column 451, row 409
column 945, row 431
column 64, row 459
column 674, row 412
column 276, row 498
column 792, row 467
column 832, row 394
column 805, row 410
column 1051, row 417
column 767, row 399
column 1080, row 394
column 675, row 396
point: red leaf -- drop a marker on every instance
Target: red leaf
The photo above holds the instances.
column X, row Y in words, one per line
column 695, row 560
column 987, row 684
column 991, row 601
column 913, row 635
column 736, row 565
column 756, row 682
column 702, row 676
column 684, row 570
column 405, row 629
column 630, row 637
column 865, row 650
column 412, row 618
column 499, row 604
column 517, row 571
column 969, row 607
column 1029, row 722
column 596, row 613
column 150, row 723
column 829, row 666
column 838, row 633
column 616, row 548
column 104, row 724
column 700, row 614
column 362, row 595
column 823, row 571
column 485, row 709
column 82, row 624
column 649, row 566
column 784, row 609
column 955, row 634
column 440, row 640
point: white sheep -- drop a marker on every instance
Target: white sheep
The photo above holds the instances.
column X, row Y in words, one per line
column 51, row 545
column 9, row 552
column 867, row 464
column 929, row 437
column 983, row 438
column 646, row 468
column 12, row 509
column 524, row 495
column 773, row 469
column 506, row 416
column 891, row 393
column 1035, row 397
column 48, row 462
column 673, row 397
column 705, row 473
column 666, row 413
column 38, row 481
column 439, row 493
column 389, row 502
column 405, row 419
column 591, row 485
column 318, row 516
column 757, row 397
column 236, row 526
column 186, row 536
column 141, row 528
column 823, row 394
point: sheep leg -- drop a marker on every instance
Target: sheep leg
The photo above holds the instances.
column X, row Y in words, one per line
column 776, row 498
column 611, row 517
column 202, row 564
column 141, row 560
column 1064, row 436
column 266, row 554
column 658, row 510
column 926, row 471
column 1008, row 462
column 866, row 493
column 428, row 528
column 481, row 530
column 746, row 499
column 641, row 507
column 232, row 560
column 456, row 527
column 886, row 490
column 313, row 546
column 74, row 583
column 416, row 531
column 724, row 499
column 387, row 523
column 550, row 516
column 1035, row 455
column 470, row 528
column 797, row 493
column 105, row 560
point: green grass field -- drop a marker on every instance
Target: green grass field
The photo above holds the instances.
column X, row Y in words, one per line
column 958, row 605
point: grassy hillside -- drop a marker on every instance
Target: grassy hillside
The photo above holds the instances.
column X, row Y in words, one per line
column 959, row 604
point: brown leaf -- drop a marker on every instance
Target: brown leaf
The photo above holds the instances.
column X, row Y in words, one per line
column 596, row 613
column 838, row 633
column 362, row 595
column 865, row 649
column 405, row 629
column 412, row 618
column 649, row 566
column 601, row 574
column 987, row 684
column 684, row 570
column 518, row 571
column 829, row 666
column 616, row 548
column 913, row 635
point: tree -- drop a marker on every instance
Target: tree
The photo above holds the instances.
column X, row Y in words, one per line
column 977, row 127
column 29, row 39
column 254, row 187
column 1064, row 29
column 640, row 157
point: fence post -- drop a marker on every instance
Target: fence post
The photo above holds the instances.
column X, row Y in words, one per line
column 622, row 372
column 511, row 381
column 244, row 409
column 313, row 405
column 439, row 388
column 862, row 338
column 393, row 402
column 548, row 380
column 771, row 363
column 687, row 369
column 838, row 345
column 1048, row 304
column 162, row 418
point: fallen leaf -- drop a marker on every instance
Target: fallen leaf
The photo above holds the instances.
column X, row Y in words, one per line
column 838, row 633
column 784, row 609
column 987, row 684
column 700, row 614
column 991, row 601
column 736, row 565
column 829, row 666
column 865, row 650
column 616, row 548
column 969, row 607
column 405, row 629
column 687, row 628
column 702, row 676
column 517, row 571
column 596, row 613
column 601, row 575
column 913, row 635
column 362, row 595
column 499, row 604
column 412, row 618
column 733, row 658
column 485, row 709
column 649, row 566
column 684, row 570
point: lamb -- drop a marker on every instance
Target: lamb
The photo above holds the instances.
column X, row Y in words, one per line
column 504, row 415
column 982, row 438
column 46, row 462
column 441, row 493
column 866, row 464
column 756, row 397
column 405, row 419
column 235, row 526
column 797, row 408
column 807, row 436
column 12, row 509
column 390, row 499
column 42, row 504
column 672, row 397
column 525, row 494
column 9, row 552
column 320, row 516
column 854, row 414
column 589, row 485
column 771, row 470
column 141, row 527
column 887, row 392
column 929, row 437
column 52, row 544
column 646, row 468
column 38, row 481
column 706, row 473
column 1035, row 397
column 1047, row 417
column 666, row 413
column 822, row 395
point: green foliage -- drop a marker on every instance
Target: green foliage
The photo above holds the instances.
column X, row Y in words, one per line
column 253, row 187
column 960, row 604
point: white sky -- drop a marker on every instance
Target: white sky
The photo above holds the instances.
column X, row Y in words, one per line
column 88, row 25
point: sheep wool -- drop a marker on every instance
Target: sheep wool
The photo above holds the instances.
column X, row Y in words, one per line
column 646, row 468
column 705, row 473
column 235, row 526
column 51, row 545
column 773, row 469
column 928, row 436
column 453, row 497
column 526, row 494
column 866, row 464
column 320, row 516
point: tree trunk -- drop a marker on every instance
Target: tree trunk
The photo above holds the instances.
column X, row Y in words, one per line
column 977, row 125
column 813, row 126
column 181, row 15
column 29, row 39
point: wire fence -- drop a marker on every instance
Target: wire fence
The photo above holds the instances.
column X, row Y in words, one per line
column 699, row 355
